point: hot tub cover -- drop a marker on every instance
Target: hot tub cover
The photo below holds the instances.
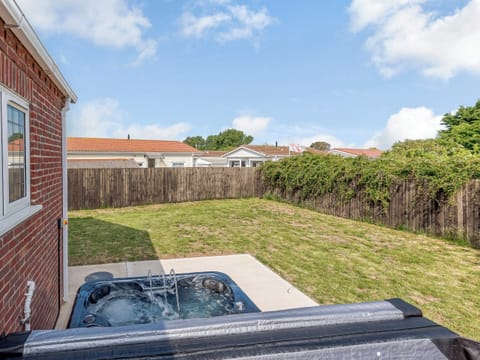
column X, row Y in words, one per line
column 391, row 329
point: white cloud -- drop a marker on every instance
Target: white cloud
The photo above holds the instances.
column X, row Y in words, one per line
column 370, row 12
column 96, row 118
column 406, row 36
column 251, row 124
column 148, row 50
column 197, row 27
column 249, row 23
column 304, row 135
column 104, row 118
column 408, row 123
column 224, row 20
column 109, row 23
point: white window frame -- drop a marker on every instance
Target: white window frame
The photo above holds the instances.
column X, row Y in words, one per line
column 19, row 104
column 11, row 214
column 233, row 163
column 256, row 163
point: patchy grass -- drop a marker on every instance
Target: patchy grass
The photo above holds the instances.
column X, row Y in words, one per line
column 333, row 260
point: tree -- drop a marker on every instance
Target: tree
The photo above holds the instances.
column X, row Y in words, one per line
column 197, row 142
column 211, row 142
column 230, row 139
column 15, row 136
column 320, row 145
column 463, row 128
column 225, row 140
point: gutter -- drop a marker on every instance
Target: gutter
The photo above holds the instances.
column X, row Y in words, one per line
column 16, row 21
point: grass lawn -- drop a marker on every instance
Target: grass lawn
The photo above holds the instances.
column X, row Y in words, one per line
column 333, row 260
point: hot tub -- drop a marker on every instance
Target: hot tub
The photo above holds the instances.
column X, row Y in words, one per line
column 156, row 298
column 390, row 329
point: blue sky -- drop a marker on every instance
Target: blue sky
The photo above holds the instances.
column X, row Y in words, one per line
column 353, row 73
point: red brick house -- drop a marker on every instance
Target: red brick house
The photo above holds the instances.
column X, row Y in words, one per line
column 34, row 98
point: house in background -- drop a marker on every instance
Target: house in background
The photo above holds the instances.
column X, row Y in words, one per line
column 129, row 153
column 146, row 153
column 371, row 153
column 33, row 243
column 256, row 155
column 210, row 158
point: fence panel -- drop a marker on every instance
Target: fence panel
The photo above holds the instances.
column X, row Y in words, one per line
column 97, row 188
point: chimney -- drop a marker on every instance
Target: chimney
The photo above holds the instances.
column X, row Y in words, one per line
column 276, row 144
column 128, row 137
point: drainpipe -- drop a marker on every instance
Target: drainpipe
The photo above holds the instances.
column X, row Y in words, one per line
column 27, row 311
column 65, row 198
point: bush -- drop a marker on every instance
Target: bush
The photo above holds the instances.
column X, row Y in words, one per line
column 443, row 169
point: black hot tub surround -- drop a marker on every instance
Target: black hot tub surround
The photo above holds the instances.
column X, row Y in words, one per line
column 390, row 329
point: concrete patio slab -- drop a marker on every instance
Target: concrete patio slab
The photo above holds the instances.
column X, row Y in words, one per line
column 263, row 286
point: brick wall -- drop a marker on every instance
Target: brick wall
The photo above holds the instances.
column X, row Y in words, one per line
column 30, row 250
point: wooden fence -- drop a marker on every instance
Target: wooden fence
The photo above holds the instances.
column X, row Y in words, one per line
column 409, row 208
column 97, row 188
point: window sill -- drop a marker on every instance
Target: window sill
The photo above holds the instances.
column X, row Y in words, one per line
column 8, row 223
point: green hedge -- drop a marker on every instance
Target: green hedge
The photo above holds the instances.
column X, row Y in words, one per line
column 443, row 169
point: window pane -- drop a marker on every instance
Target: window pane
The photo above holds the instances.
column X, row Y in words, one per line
column 16, row 154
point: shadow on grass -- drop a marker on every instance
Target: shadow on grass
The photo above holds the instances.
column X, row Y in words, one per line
column 93, row 241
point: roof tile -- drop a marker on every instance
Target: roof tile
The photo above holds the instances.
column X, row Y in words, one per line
column 371, row 153
column 270, row 150
column 126, row 145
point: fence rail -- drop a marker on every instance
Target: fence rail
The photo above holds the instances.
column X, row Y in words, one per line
column 97, row 188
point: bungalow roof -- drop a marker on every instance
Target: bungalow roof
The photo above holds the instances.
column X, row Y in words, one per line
column 211, row 153
column 265, row 150
column 80, row 144
column 371, row 153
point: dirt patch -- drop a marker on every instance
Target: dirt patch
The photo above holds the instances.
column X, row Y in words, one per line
column 279, row 208
column 300, row 225
column 251, row 222
column 204, row 230
column 422, row 299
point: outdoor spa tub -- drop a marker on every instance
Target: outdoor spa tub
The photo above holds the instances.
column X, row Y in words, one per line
column 390, row 329
column 156, row 298
column 183, row 316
